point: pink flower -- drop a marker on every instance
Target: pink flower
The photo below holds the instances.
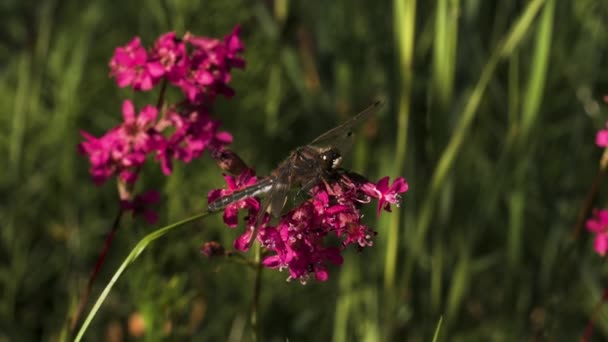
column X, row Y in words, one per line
column 298, row 241
column 386, row 195
column 200, row 66
column 297, row 251
column 136, row 129
column 193, row 133
column 139, row 206
column 99, row 152
column 209, row 66
column 599, row 226
column 245, row 179
column 601, row 138
column 123, row 149
column 130, row 67
column 171, row 55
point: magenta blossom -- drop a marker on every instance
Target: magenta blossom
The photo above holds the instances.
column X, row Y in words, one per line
column 131, row 67
column 252, row 205
column 122, row 150
column 193, row 133
column 99, row 152
column 136, row 130
column 599, row 226
column 298, row 242
column 601, row 138
column 200, row 66
column 170, row 52
column 386, row 195
column 210, row 65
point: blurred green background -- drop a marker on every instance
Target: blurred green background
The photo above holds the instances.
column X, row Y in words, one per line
column 491, row 113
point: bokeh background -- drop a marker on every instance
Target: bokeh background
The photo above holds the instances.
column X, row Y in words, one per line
column 491, row 113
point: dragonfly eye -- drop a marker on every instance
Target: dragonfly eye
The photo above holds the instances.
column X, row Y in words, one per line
column 331, row 158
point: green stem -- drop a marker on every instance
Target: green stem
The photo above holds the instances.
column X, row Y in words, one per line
column 255, row 324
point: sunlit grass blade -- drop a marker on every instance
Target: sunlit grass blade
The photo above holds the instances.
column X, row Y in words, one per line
column 437, row 269
column 404, row 23
column 438, row 329
column 530, row 110
column 444, row 53
column 459, row 283
column 133, row 255
column 538, row 69
column 452, row 150
column 521, row 28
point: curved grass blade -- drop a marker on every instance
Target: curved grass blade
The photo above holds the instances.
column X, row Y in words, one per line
column 141, row 245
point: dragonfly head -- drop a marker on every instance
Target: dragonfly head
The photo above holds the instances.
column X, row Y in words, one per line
column 332, row 159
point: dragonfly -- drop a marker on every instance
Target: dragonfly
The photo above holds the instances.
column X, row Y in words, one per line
column 305, row 167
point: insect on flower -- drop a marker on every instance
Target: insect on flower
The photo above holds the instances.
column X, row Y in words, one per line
column 304, row 168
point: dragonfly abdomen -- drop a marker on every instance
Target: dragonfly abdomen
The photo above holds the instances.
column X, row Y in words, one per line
column 256, row 189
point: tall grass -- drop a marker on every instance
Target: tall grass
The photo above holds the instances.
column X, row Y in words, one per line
column 491, row 113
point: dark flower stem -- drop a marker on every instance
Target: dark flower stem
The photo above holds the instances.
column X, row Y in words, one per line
column 161, row 95
column 591, row 196
column 585, row 210
column 255, row 322
column 589, row 328
column 84, row 297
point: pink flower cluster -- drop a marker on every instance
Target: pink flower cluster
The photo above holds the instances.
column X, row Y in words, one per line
column 598, row 225
column 298, row 242
column 177, row 135
column 200, row 67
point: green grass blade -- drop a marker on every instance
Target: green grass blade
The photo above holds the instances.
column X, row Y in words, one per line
column 19, row 114
column 459, row 283
column 521, row 28
column 461, row 131
column 444, row 52
column 438, row 329
column 538, row 69
column 404, row 23
column 141, row 245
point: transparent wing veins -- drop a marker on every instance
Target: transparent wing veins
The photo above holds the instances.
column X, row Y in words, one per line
column 275, row 200
column 340, row 136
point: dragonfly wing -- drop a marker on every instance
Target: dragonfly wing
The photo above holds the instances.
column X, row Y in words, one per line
column 274, row 202
column 341, row 137
column 259, row 219
column 280, row 190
